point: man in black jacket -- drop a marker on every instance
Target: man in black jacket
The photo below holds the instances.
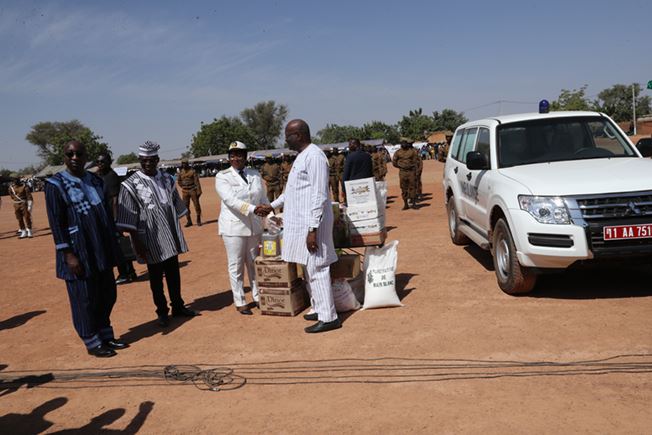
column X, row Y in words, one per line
column 358, row 163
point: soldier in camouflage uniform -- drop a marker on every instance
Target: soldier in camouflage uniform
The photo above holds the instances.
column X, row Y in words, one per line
column 286, row 166
column 335, row 168
column 271, row 173
column 22, row 199
column 419, row 171
column 188, row 181
column 406, row 160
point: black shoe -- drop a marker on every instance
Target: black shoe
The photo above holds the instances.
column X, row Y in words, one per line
column 101, row 351
column 323, row 326
column 184, row 312
column 133, row 276
column 257, row 304
column 163, row 320
column 115, row 344
column 188, row 224
column 246, row 312
column 405, row 206
column 121, row 280
column 311, row 317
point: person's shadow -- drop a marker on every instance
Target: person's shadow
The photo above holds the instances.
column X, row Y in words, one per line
column 30, row 381
column 98, row 424
column 34, row 422
column 19, row 320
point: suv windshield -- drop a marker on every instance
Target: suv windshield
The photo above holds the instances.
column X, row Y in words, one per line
column 558, row 139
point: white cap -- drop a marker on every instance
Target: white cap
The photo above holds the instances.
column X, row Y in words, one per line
column 237, row 145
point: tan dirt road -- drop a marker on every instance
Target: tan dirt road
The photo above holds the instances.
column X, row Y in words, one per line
column 465, row 347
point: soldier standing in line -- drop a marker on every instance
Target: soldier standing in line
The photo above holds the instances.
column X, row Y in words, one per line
column 406, row 160
column 271, row 172
column 286, row 166
column 443, row 148
column 22, row 198
column 188, row 181
column 336, row 167
column 419, row 171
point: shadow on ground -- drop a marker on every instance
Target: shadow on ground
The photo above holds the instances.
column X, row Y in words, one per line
column 19, row 320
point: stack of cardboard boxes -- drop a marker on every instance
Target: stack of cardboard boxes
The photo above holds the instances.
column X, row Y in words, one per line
column 365, row 212
column 281, row 290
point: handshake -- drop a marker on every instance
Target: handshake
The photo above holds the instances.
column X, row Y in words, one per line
column 263, row 210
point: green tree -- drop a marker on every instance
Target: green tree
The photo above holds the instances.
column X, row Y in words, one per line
column 380, row 130
column 616, row 102
column 125, row 159
column 214, row 138
column 265, row 120
column 574, row 99
column 416, row 125
column 448, row 119
column 334, row 133
column 51, row 137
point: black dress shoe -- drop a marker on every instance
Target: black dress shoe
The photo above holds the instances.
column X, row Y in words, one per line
column 101, row 351
column 323, row 326
column 311, row 317
column 121, row 280
column 246, row 312
column 163, row 320
column 184, row 312
column 115, row 344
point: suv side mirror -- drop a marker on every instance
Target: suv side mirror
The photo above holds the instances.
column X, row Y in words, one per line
column 645, row 150
column 475, row 160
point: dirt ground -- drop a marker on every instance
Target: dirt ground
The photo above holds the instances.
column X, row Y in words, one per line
column 468, row 358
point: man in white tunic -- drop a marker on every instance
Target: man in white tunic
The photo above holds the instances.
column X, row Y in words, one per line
column 308, row 223
column 241, row 190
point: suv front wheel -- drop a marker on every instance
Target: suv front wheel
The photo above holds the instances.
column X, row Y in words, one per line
column 513, row 278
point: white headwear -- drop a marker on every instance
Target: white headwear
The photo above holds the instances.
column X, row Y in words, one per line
column 237, row 145
column 148, row 149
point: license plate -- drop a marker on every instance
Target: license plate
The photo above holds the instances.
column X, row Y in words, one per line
column 620, row 232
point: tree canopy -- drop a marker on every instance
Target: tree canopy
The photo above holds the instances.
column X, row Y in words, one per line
column 334, row 133
column 214, row 138
column 574, row 99
column 415, row 125
column 616, row 102
column 125, row 159
column 51, row 137
column 265, row 120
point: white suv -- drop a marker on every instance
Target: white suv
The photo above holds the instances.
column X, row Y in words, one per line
column 543, row 191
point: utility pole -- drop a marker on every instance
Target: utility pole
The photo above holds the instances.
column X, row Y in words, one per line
column 634, row 107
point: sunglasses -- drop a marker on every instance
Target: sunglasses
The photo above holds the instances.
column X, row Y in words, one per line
column 71, row 153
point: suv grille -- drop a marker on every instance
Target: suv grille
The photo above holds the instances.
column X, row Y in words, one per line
column 615, row 209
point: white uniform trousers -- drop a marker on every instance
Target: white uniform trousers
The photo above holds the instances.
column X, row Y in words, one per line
column 318, row 280
column 240, row 252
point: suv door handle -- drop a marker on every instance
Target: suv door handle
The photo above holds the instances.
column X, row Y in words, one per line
column 455, row 169
column 469, row 176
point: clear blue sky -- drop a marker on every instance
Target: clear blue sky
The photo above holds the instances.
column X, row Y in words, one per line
column 134, row 71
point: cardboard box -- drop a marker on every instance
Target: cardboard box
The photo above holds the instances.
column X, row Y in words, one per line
column 347, row 266
column 374, row 239
column 274, row 272
column 361, row 191
column 360, row 212
column 368, row 226
column 283, row 301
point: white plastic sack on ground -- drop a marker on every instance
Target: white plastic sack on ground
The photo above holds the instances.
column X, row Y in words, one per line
column 357, row 285
column 380, row 277
column 343, row 295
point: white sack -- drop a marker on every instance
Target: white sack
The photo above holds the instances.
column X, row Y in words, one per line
column 357, row 285
column 343, row 295
column 380, row 276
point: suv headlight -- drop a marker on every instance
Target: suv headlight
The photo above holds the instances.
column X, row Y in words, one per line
column 545, row 209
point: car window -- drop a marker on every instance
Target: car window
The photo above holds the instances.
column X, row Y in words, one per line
column 559, row 139
column 455, row 144
column 468, row 143
column 483, row 144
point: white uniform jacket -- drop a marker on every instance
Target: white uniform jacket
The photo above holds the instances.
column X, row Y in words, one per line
column 239, row 200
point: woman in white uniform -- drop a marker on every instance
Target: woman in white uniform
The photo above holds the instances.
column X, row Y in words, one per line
column 241, row 190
